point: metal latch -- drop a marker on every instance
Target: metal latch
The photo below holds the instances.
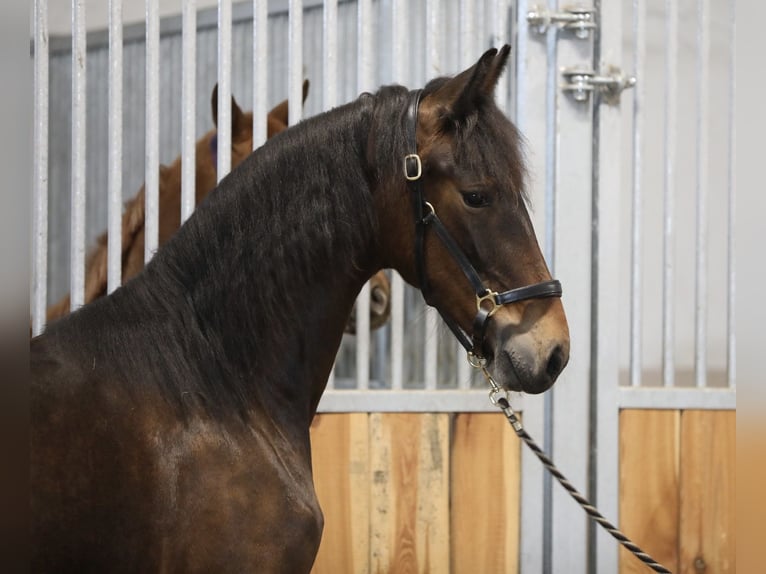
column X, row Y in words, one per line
column 581, row 82
column 577, row 19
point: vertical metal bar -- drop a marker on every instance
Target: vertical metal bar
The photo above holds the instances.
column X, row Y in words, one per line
column 731, row 357
column 40, row 201
column 639, row 31
column 77, row 246
column 224, row 88
column 114, row 244
column 467, row 33
column 363, row 337
column 260, row 71
column 432, row 66
column 330, row 54
column 522, row 39
column 398, row 23
column 295, row 63
column 700, row 280
column 364, row 58
column 671, row 52
column 551, row 178
column 152, row 135
column 329, row 100
column 188, row 109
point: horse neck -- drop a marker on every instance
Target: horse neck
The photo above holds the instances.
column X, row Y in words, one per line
column 262, row 278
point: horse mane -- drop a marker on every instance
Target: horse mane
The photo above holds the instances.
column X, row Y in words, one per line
column 203, row 320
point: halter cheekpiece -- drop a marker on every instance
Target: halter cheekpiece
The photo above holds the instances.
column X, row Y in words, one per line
column 487, row 301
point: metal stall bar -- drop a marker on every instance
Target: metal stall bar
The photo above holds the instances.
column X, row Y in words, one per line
column 731, row 357
column 671, row 53
column 398, row 37
column 330, row 100
column 295, row 62
column 114, row 224
column 40, row 190
column 152, row 135
column 77, row 222
column 639, row 51
column 467, row 31
column 700, row 279
column 224, row 89
column 260, row 71
column 433, row 67
column 188, row 108
column 364, row 83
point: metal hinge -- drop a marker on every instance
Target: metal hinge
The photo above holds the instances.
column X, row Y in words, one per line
column 577, row 19
column 581, row 82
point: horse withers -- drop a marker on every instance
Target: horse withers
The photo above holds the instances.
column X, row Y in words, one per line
column 170, row 420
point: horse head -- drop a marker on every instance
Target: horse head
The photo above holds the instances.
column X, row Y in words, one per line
column 466, row 238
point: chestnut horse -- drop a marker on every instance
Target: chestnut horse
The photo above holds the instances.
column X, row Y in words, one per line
column 170, row 212
column 170, row 420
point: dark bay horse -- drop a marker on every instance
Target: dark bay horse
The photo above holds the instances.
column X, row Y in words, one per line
column 170, row 420
column 206, row 180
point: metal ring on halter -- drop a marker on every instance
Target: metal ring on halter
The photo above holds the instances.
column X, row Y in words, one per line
column 476, row 361
column 491, row 297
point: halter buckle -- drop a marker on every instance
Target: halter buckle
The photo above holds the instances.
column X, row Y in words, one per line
column 491, row 298
column 412, row 161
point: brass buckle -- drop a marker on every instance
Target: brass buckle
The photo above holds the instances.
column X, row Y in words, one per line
column 491, row 297
column 407, row 175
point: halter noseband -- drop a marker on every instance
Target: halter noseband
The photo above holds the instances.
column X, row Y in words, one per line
column 487, row 301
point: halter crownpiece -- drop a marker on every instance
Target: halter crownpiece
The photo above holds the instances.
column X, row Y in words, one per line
column 487, row 301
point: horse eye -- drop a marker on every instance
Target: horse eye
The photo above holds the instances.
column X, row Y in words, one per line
column 474, row 199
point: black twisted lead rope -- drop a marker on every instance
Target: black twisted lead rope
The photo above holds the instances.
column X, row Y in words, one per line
column 503, row 404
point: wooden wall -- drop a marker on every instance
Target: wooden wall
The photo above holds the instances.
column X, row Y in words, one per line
column 405, row 492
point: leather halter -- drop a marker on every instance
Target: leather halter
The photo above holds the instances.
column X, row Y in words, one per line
column 487, row 301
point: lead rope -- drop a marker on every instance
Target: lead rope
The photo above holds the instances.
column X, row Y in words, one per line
column 499, row 398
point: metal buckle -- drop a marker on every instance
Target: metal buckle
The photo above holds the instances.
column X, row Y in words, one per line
column 416, row 158
column 491, row 297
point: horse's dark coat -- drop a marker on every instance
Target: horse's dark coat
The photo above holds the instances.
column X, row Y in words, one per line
column 170, row 420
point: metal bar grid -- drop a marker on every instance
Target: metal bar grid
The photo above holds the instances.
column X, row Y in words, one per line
column 114, row 245
column 40, row 189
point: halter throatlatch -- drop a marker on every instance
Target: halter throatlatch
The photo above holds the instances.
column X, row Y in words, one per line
column 487, row 301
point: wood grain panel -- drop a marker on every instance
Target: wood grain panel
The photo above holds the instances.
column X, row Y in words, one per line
column 649, row 481
column 340, row 458
column 707, row 530
column 485, row 486
column 409, row 523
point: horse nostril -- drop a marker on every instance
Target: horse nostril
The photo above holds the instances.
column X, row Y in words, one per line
column 556, row 362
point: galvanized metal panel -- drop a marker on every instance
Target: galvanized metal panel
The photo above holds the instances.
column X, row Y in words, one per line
column 114, row 246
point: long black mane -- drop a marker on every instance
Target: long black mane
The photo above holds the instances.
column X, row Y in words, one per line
column 216, row 306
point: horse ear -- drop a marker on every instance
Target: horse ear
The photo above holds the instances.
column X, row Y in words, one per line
column 279, row 114
column 458, row 97
column 237, row 115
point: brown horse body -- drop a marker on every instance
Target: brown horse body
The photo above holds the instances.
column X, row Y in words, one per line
column 170, row 420
column 170, row 212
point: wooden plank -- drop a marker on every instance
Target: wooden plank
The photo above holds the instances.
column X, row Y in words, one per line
column 649, row 498
column 707, row 529
column 485, row 487
column 409, row 493
column 340, row 458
